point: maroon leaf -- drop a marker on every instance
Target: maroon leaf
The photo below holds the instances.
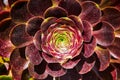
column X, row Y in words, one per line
column 38, row 7
column 86, row 67
column 65, row 20
column 16, row 74
column 70, row 6
column 77, row 22
column 5, row 26
column 105, row 36
column 94, row 74
column 6, row 48
column 109, row 74
column 33, row 25
column 49, row 58
column 70, row 64
column 55, row 12
column 112, row 15
column 87, row 31
column 89, row 48
column 37, row 40
column 115, row 48
column 114, row 74
column 19, row 12
column 19, row 37
column 47, row 22
column 33, row 54
column 104, row 58
column 18, row 64
column 38, row 71
column 55, row 70
column 90, row 12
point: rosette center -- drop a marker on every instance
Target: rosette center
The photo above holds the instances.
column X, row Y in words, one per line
column 62, row 41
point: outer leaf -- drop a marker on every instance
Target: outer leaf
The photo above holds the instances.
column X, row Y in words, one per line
column 104, row 58
column 38, row 7
column 19, row 37
column 90, row 12
column 70, row 6
column 105, row 36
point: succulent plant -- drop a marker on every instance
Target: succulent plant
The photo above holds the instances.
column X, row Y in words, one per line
column 59, row 39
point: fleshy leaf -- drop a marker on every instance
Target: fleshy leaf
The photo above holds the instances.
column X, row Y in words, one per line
column 19, row 37
column 65, row 20
column 109, row 74
column 33, row 25
column 6, row 48
column 18, row 64
column 47, row 22
column 38, row 71
column 70, row 6
column 49, row 58
column 85, row 65
column 19, row 12
column 89, row 48
column 70, row 64
column 94, row 74
column 38, row 7
column 55, row 12
column 5, row 26
column 33, row 54
column 87, row 31
column 104, row 58
column 115, row 48
column 90, row 12
column 55, row 70
column 77, row 22
column 112, row 15
column 105, row 36
column 37, row 40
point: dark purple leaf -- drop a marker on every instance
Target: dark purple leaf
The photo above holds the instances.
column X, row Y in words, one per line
column 38, row 7
column 55, row 12
column 33, row 25
column 19, row 37
column 19, row 12
column 70, row 6
column 90, row 12
column 105, row 36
